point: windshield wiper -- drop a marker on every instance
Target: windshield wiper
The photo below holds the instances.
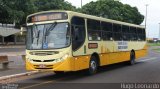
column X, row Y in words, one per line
column 38, row 36
column 37, row 32
column 50, row 28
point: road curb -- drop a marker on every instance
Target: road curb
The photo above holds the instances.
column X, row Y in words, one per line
column 17, row 75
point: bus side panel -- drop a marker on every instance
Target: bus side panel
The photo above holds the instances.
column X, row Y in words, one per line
column 103, row 59
column 143, row 52
column 81, row 62
column 114, row 57
column 66, row 65
column 117, row 57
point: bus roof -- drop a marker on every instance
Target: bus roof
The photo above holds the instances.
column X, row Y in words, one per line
column 72, row 13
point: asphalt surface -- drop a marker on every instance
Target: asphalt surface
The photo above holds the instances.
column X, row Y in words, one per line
column 146, row 70
column 14, row 49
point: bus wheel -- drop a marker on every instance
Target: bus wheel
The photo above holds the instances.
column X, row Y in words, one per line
column 93, row 65
column 59, row 72
column 132, row 58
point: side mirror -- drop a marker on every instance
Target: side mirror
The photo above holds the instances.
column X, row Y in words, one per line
column 23, row 28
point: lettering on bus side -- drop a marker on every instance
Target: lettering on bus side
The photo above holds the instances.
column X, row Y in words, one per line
column 92, row 45
column 122, row 45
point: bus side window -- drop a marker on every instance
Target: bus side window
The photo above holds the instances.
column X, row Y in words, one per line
column 117, row 30
column 78, row 32
column 125, row 33
column 107, row 33
column 141, row 34
column 94, row 31
column 133, row 32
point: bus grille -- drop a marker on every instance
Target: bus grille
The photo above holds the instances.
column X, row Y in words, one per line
column 39, row 53
column 52, row 60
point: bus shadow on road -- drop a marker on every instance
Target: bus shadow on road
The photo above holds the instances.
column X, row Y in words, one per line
column 116, row 66
column 69, row 76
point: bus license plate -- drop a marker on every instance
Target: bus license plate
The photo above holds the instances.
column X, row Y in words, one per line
column 42, row 66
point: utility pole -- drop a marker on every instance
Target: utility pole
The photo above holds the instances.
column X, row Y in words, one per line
column 81, row 3
column 146, row 19
column 159, row 33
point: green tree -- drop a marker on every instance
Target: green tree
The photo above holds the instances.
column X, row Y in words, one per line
column 4, row 14
column 113, row 10
column 44, row 5
column 15, row 11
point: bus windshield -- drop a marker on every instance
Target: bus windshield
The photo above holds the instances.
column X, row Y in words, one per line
column 48, row 36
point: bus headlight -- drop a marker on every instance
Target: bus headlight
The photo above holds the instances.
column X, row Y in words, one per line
column 29, row 59
column 62, row 58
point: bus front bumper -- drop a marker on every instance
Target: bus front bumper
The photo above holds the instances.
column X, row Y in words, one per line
column 65, row 65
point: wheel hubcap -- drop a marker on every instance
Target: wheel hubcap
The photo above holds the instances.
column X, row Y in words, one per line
column 93, row 65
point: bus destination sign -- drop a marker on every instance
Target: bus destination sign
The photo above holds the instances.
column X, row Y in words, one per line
column 48, row 17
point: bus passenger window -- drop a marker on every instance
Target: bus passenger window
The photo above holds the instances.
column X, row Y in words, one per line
column 94, row 31
column 133, row 32
column 107, row 33
column 117, row 30
column 141, row 34
column 125, row 33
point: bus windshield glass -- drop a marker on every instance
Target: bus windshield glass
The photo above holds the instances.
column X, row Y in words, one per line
column 48, row 36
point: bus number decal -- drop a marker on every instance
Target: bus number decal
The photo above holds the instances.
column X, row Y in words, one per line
column 92, row 45
column 122, row 45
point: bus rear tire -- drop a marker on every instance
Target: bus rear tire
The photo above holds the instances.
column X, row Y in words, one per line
column 132, row 58
column 93, row 66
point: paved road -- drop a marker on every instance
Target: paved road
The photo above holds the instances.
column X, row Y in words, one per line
column 146, row 70
column 2, row 50
column 12, row 51
column 14, row 54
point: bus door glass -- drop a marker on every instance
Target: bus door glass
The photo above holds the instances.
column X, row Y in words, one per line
column 78, row 35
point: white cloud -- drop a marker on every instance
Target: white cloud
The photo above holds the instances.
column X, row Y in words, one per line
column 153, row 17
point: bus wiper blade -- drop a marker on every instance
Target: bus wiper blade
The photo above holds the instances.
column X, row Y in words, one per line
column 38, row 36
column 37, row 32
column 50, row 28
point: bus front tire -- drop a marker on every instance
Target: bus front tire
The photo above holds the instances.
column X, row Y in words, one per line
column 93, row 65
column 59, row 72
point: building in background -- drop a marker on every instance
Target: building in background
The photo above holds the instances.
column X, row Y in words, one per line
column 9, row 35
column 151, row 40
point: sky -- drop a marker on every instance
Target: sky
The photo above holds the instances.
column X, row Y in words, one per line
column 153, row 13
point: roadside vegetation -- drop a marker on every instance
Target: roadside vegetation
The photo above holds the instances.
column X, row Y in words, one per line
column 157, row 50
column 153, row 44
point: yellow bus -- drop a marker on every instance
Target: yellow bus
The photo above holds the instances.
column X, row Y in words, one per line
column 63, row 41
